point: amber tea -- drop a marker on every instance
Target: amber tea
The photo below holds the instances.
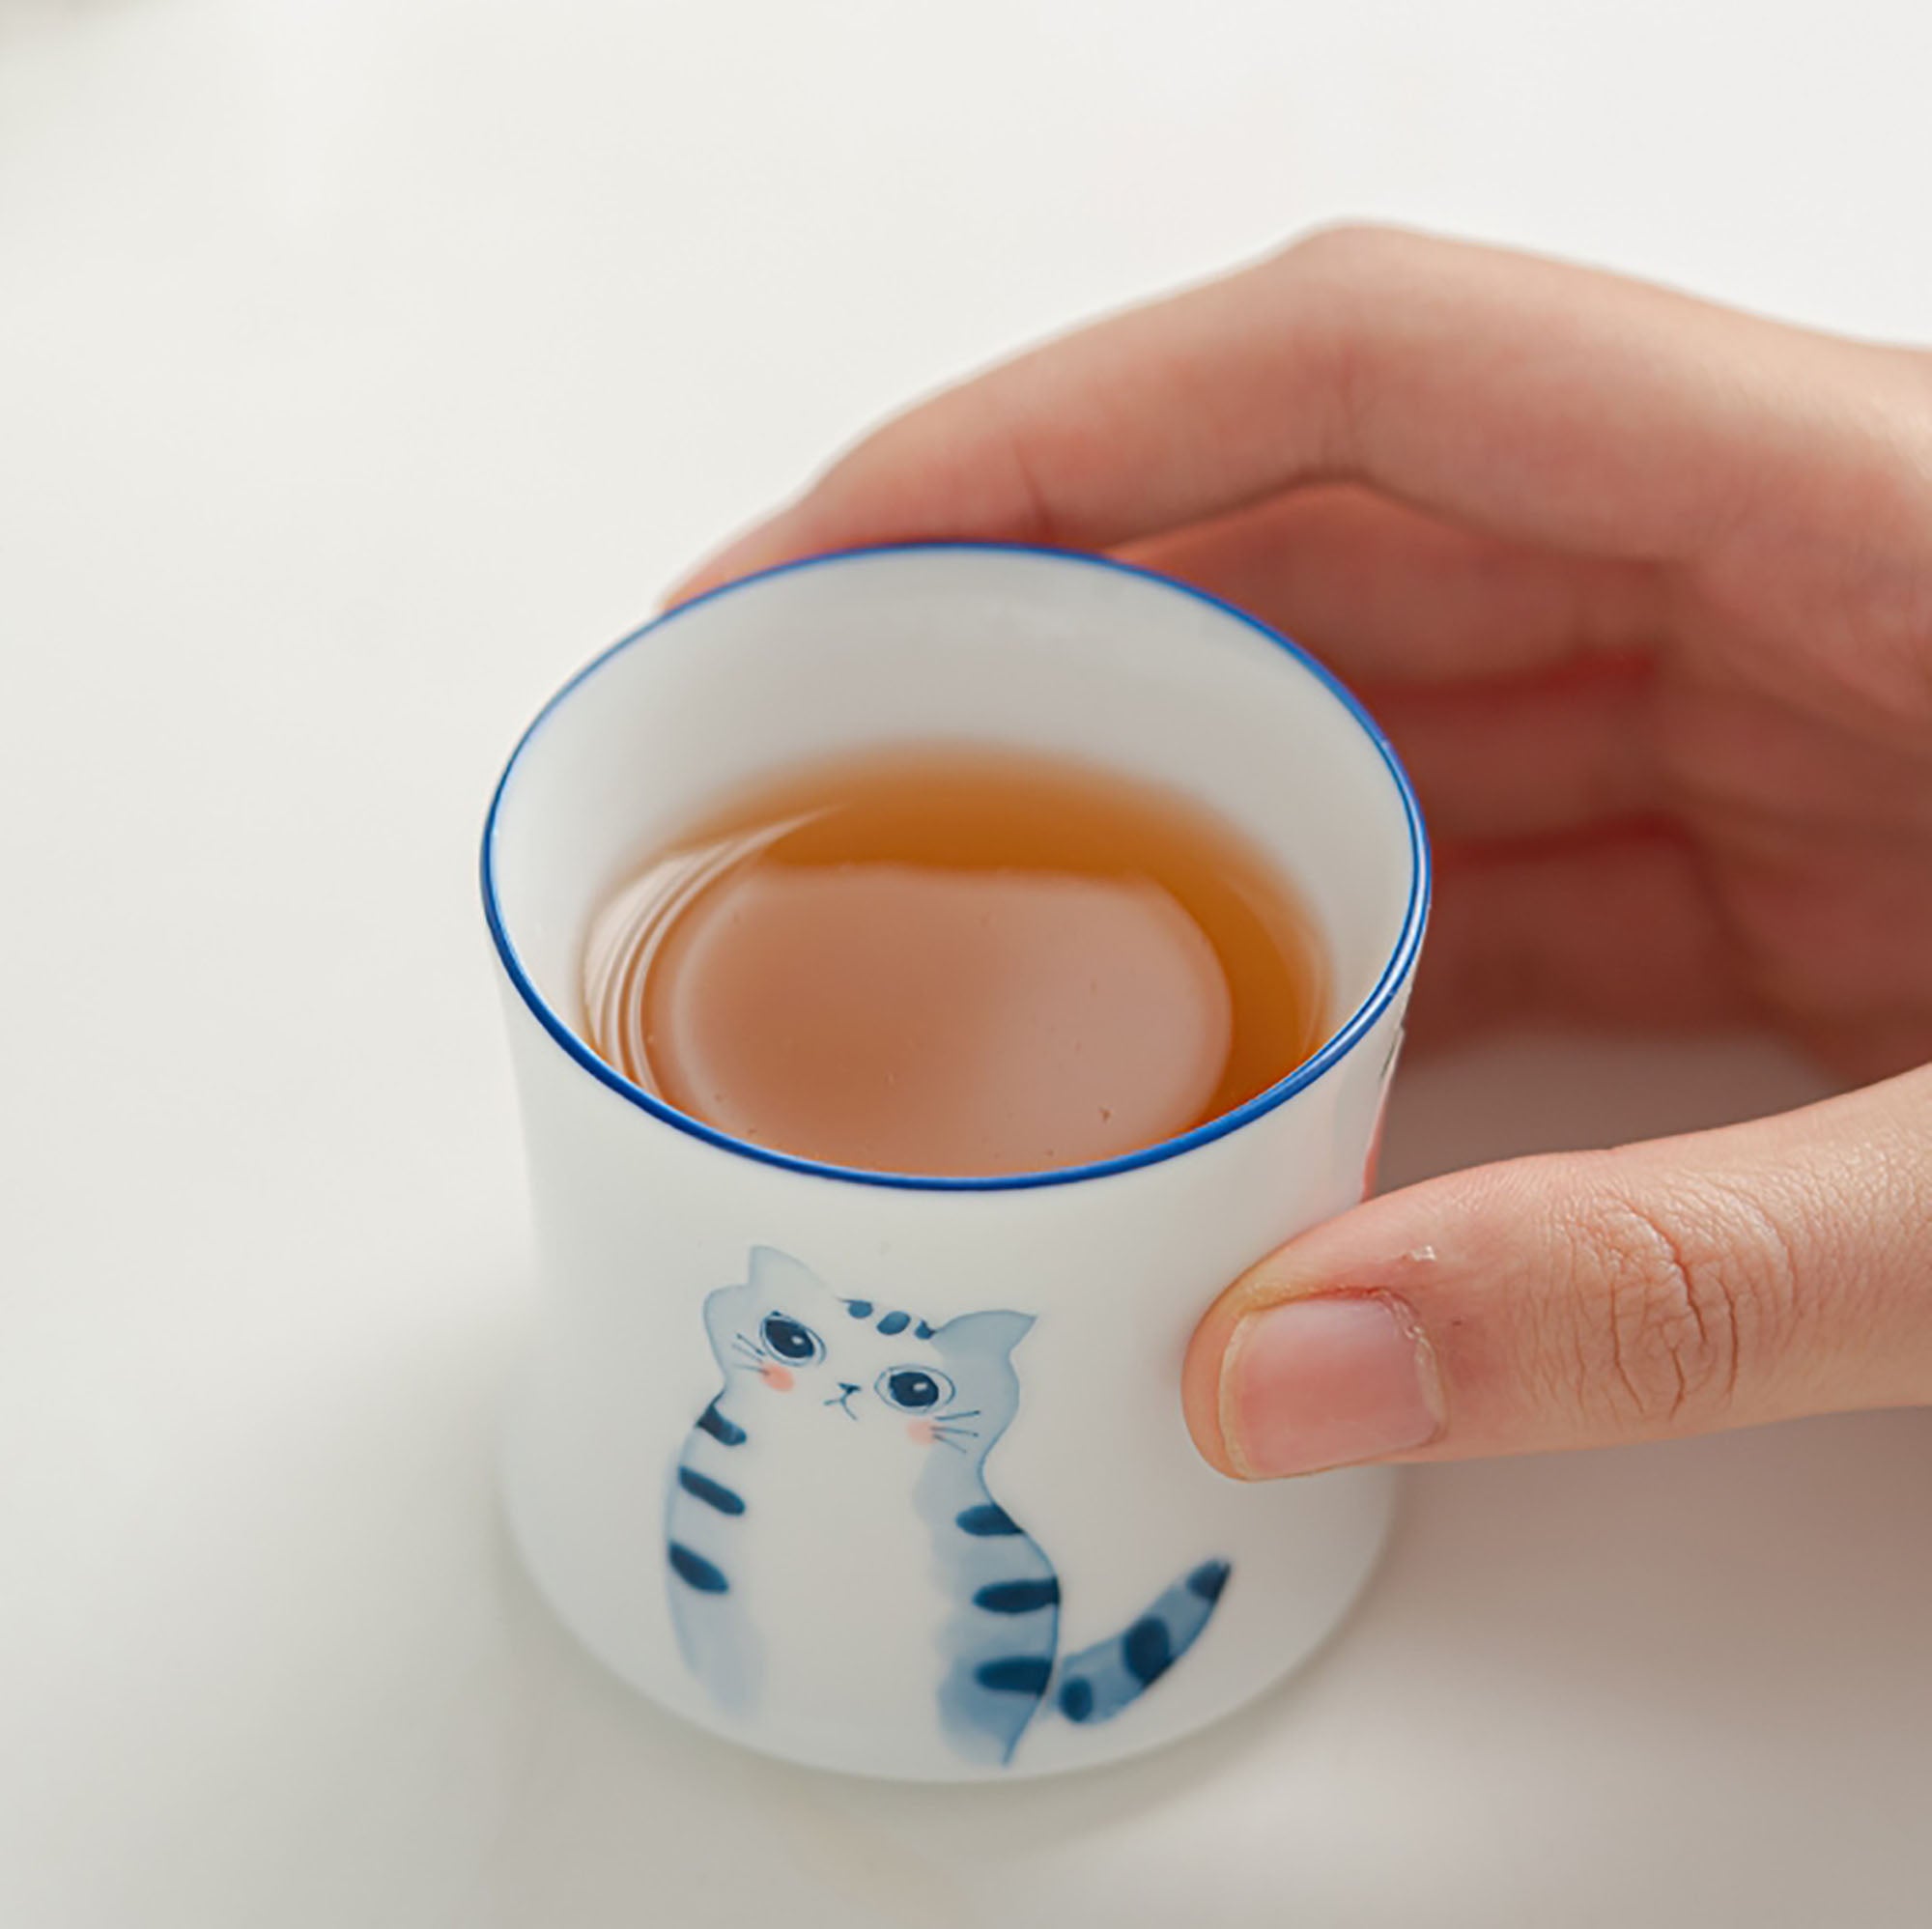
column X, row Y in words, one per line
column 954, row 962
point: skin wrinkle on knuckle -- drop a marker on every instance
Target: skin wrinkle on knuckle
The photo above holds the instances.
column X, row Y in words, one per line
column 1036, row 518
column 948, row 468
column 1776, row 1308
column 1666, row 1319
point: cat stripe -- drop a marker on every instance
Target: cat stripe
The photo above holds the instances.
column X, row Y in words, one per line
column 889, row 1323
column 1208, row 1579
column 987, row 1518
column 694, row 1570
column 1017, row 1597
column 727, row 1432
column 713, row 1494
column 1146, row 1649
column 1015, row 1674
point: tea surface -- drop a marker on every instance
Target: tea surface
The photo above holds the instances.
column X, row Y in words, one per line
column 956, row 961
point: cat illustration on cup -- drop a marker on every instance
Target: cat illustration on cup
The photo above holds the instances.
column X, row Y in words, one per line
column 835, row 1491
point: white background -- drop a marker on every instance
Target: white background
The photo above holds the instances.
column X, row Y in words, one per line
column 363, row 367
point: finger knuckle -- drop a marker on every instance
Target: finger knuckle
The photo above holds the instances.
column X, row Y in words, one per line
column 1339, row 281
column 1675, row 1306
column 1348, row 249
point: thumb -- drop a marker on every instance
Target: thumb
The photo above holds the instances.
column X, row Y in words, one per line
column 1766, row 1270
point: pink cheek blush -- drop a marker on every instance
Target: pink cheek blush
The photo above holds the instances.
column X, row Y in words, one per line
column 778, row 1379
column 921, row 1433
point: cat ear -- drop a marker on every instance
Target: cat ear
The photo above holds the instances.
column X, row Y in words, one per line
column 994, row 1333
column 780, row 1275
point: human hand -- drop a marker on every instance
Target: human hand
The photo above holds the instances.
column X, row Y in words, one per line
column 1642, row 591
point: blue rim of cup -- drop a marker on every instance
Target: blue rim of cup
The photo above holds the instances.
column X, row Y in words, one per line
column 1393, row 974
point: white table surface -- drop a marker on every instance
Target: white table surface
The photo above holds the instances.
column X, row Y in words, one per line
column 363, row 367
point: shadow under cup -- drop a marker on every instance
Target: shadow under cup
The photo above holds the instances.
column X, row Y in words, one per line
column 999, row 1553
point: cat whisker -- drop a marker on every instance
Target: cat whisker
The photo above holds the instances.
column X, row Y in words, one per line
column 941, row 1440
column 750, row 1359
column 971, row 1413
column 964, row 1432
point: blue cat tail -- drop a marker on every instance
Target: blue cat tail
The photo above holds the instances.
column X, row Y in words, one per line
column 1098, row 1683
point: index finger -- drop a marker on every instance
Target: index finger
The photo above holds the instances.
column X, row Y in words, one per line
column 1532, row 399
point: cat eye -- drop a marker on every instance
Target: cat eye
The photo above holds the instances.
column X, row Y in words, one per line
column 791, row 1340
column 913, row 1389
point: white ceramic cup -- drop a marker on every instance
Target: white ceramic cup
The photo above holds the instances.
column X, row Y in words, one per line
column 1014, row 1562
